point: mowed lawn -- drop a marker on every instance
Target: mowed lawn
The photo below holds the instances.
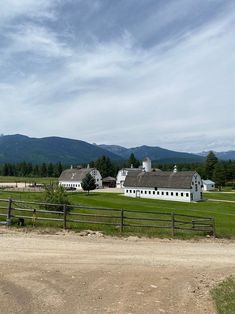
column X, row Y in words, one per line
column 44, row 180
column 223, row 212
column 226, row 196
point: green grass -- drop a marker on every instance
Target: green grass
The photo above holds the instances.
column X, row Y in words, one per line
column 44, row 180
column 224, row 297
column 220, row 196
column 224, row 213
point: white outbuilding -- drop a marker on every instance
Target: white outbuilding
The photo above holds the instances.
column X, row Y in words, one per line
column 208, row 185
column 72, row 178
column 121, row 176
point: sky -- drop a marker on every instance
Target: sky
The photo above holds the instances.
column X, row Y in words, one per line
column 123, row 72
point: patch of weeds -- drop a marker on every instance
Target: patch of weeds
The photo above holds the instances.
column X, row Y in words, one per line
column 224, row 296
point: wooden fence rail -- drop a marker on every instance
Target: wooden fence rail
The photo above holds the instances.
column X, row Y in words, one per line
column 14, row 210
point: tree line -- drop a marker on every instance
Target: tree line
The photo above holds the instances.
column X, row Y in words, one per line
column 222, row 172
column 27, row 169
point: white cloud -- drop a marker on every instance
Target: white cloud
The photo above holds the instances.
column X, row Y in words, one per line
column 178, row 95
column 11, row 9
column 38, row 40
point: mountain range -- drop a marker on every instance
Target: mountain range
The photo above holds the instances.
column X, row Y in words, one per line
column 17, row 148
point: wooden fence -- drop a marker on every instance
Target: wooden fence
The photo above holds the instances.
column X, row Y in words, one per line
column 14, row 211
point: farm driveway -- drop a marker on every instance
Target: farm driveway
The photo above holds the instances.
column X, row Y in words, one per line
column 66, row 273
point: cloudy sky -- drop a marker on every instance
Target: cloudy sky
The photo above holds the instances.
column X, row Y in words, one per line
column 126, row 72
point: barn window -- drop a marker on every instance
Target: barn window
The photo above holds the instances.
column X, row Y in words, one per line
column 157, row 192
column 167, row 193
column 176, row 194
column 149, row 192
column 162, row 193
column 187, row 194
column 153, row 192
column 145, row 192
column 182, row 194
column 172, row 193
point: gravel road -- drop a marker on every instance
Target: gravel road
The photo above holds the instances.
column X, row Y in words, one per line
column 67, row 273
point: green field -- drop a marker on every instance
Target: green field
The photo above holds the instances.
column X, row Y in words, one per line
column 226, row 196
column 11, row 179
column 224, row 213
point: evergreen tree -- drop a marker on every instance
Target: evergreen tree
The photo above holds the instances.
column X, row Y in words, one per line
column 58, row 168
column 219, row 175
column 105, row 166
column 132, row 161
column 43, row 170
column 36, row 171
column 50, row 170
column 211, row 161
column 88, row 183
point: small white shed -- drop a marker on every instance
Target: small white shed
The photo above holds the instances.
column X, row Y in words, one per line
column 208, row 185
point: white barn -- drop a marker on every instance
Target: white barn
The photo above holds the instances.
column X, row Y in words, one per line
column 72, row 178
column 121, row 176
column 208, row 185
column 184, row 186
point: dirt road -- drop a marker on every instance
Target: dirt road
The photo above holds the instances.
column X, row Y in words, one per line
column 66, row 273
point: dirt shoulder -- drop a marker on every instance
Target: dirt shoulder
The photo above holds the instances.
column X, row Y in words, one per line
column 67, row 273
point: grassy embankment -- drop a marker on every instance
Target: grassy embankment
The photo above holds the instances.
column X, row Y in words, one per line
column 224, row 213
column 224, row 297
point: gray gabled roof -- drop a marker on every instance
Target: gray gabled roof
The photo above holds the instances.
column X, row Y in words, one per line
column 108, row 179
column 74, row 174
column 161, row 179
column 208, row 181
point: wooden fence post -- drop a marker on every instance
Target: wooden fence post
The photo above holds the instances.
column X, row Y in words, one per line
column 122, row 219
column 65, row 216
column 9, row 212
column 213, row 227
column 173, row 223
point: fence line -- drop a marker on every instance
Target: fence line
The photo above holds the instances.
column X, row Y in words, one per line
column 121, row 218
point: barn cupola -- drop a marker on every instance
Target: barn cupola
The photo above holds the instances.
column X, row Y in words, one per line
column 147, row 165
column 175, row 169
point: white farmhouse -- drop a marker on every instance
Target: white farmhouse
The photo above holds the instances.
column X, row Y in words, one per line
column 72, row 178
column 208, row 185
column 184, row 186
